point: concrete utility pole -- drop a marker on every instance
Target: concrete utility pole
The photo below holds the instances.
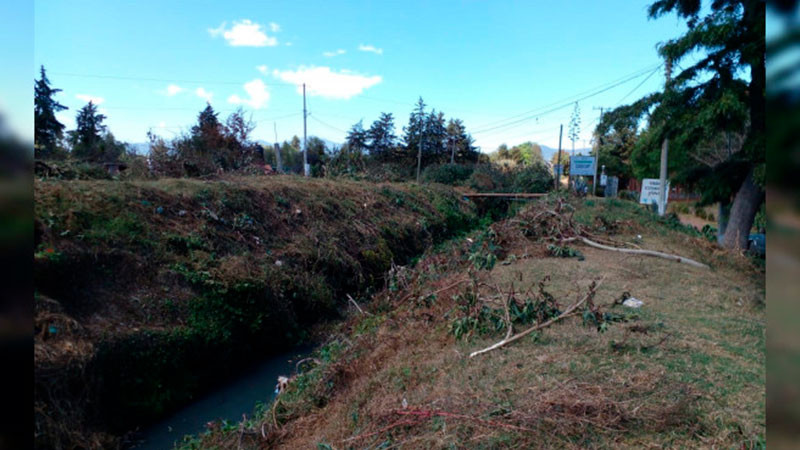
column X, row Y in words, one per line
column 305, row 147
column 662, row 178
column 558, row 161
column 278, row 161
column 596, row 159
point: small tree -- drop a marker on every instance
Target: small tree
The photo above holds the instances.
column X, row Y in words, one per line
column 382, row 140
column 87, row 137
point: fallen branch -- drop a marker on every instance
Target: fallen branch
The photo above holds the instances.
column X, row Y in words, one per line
column 676, row 258
column 356, row 305
column 568, row 312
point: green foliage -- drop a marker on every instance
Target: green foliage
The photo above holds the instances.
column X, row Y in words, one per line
column 564, row 252
column 484, row 250
column 450, row 174
column 480, row 318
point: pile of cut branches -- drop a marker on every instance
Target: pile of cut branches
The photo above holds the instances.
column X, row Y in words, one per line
column 542, row 223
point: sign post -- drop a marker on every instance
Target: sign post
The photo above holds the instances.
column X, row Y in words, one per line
column 651, row 193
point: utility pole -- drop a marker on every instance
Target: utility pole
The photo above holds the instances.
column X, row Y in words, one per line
column 419, row 148
column 452, row 151
column 596, row 159
column 664, row 195
column 305, row 147
column 558, row 161
column 278, row 161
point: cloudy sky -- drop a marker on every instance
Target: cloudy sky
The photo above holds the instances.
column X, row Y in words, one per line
column 511, row 70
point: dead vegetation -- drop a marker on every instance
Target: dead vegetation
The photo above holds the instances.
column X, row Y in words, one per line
column 685, row 370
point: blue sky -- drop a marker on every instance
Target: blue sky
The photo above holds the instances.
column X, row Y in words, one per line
column 500, row 66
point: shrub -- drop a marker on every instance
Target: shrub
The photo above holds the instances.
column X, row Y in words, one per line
column 532, row 178
column 450, row 174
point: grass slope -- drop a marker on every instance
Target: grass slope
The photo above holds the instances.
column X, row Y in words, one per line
column 685, row 370
column 148, row 292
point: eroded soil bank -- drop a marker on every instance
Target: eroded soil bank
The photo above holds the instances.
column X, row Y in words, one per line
column 149, row 293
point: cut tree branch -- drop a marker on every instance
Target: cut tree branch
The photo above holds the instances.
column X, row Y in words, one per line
column 568, row 312
column 677, row 258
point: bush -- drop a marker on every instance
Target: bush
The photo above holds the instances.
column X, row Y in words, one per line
column 487, row 178
column 533, row 178
column 450, row 174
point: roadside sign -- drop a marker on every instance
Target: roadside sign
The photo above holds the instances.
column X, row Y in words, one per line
column 651, row 190
column 603, row 179
column 581, row 165
column 558, row 169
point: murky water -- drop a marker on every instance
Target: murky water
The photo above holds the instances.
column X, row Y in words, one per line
column 237, row 397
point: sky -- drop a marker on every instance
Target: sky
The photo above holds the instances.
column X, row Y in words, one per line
column 511, row 70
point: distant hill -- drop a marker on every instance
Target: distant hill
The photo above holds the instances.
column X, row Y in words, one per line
column 548, row 152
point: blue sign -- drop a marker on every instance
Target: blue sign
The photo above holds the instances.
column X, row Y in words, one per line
column 581, row 165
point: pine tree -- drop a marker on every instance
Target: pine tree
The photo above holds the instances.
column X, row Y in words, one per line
column 357, row 138
column 412, row 133
column 434, row 150
column 48, row 131
column 87, row 137
column 382, row 140
column 459, row 143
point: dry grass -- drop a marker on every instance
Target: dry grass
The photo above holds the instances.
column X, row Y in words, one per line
column 686, row 370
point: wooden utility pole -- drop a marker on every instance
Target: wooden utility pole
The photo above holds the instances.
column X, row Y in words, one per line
column 278, row 161
column 305, row 147
column 664, row 194
column 452, row 151
column 558, row 161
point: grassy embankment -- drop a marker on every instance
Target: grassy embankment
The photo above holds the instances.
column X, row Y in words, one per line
column 149, row 292
column 684, row 370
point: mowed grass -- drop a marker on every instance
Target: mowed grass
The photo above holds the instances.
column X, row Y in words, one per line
column 695, row 378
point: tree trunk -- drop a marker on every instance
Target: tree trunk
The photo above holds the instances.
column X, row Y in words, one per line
column 723, row 216
column 745, row 206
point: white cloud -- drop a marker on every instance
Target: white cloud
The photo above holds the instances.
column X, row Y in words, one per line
column 257, row 90
column 90, row 98
column 370, row 48
column 202, row 93
column 174, row 89
column 323, row 82
column 274, row 27
column 334, row 53
column 162, row 124
column 288, row 44
column 263, row 68
column 244, row 33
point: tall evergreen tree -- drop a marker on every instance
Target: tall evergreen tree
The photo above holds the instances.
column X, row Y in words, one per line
column 382, row 140
column 87, row 137
column 357, row 138
column 412, row 133
column 48, row 131
column 434, row 150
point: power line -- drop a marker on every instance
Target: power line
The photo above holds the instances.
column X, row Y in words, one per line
column 326, row 124
column 567, row 104
column 571, row 99
column 640, row 84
